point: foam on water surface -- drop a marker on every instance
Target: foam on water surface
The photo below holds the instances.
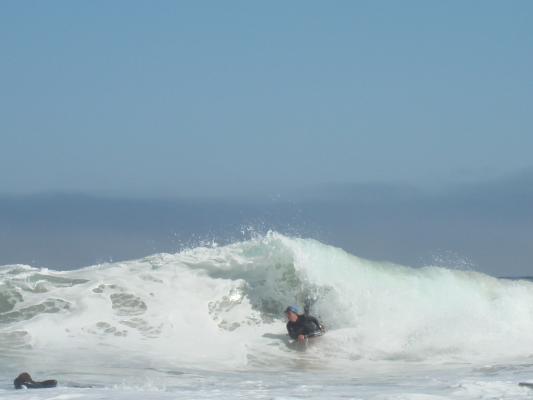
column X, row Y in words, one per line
column 219, row 310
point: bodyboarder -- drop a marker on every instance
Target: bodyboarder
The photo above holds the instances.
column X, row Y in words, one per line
column 301, row 326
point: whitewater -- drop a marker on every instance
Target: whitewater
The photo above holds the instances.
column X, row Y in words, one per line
column 208, row 323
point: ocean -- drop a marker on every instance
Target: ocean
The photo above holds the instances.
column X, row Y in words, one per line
column 208, row 323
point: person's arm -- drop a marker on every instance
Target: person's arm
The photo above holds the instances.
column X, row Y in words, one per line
column 318, row 324
column 291, row 331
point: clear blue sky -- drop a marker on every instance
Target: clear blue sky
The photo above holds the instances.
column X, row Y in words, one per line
column 160, row 98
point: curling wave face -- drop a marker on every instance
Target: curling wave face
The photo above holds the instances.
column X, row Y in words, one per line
column 222, row 307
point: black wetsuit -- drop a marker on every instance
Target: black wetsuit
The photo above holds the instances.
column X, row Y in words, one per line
column 25, row 380
column 304, row 325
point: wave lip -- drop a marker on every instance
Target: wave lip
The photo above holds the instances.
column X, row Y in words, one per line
column 223, row 307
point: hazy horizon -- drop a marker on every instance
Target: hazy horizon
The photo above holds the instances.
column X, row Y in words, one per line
column 485, row 226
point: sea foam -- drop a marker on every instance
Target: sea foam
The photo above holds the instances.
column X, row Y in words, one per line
column 222, row 308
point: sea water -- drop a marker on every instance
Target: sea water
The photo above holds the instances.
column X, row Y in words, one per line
column 208, row 323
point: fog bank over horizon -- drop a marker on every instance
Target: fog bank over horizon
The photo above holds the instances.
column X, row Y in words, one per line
column 485, row 226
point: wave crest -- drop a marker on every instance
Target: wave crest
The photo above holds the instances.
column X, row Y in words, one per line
column 224, row 306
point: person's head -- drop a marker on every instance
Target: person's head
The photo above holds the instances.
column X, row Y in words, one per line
column 22, row 379
column 293, row 312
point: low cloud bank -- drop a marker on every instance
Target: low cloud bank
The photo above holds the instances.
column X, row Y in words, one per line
column 486, row 226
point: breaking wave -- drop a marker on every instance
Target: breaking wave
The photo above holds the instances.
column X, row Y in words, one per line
column 220, row 307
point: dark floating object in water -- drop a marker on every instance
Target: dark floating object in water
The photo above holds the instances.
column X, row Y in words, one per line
column 526, row 384
column 24, row 381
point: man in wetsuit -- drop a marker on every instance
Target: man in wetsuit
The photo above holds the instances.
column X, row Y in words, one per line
column 300, row 326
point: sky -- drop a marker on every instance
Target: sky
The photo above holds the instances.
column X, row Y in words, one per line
column 398, row 131
column 207, row 99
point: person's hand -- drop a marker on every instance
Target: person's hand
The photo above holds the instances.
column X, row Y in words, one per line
column 301, row 339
